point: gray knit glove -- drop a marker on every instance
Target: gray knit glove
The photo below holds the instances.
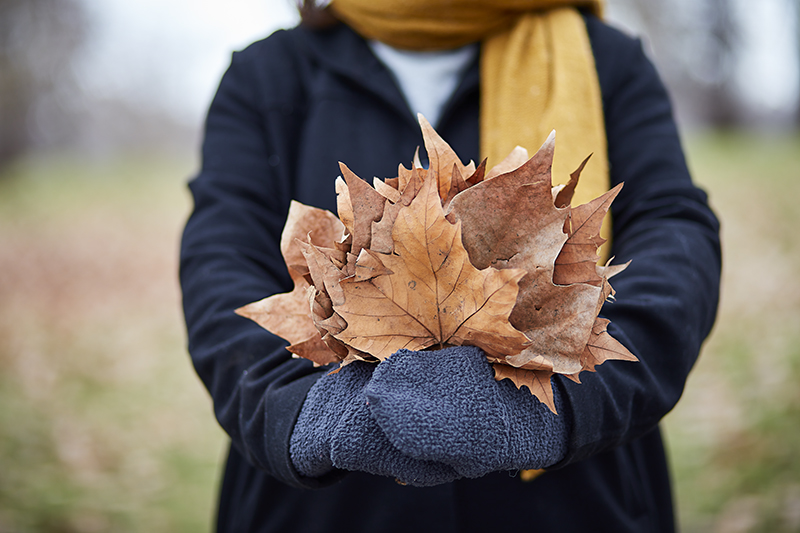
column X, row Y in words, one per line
column 335, row 430
column 445, row 406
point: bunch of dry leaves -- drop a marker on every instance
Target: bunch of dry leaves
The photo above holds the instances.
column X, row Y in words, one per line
column 451, row 255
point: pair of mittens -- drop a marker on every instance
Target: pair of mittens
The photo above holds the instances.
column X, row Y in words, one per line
column 425, row 418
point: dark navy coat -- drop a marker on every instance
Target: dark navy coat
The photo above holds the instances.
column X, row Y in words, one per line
column 288, row 109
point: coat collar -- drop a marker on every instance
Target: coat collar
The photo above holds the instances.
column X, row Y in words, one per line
column 341, row 50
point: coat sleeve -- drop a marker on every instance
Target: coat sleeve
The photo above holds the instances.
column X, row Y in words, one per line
column 230, row 256
column 667, row 298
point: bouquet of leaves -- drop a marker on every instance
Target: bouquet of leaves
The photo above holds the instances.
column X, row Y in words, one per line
column 451, row 255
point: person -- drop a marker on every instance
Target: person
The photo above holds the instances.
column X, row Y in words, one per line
column 417, row 443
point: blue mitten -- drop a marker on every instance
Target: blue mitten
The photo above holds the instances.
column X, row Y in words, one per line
column 446, row 406
column 335, row 430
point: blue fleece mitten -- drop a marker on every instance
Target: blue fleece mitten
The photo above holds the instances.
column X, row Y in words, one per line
column 335, row 430
column 446, row 406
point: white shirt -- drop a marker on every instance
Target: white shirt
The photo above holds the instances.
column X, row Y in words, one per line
column 426, row 79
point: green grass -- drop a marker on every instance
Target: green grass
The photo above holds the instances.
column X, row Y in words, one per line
column 103, row 424
column 105, row 427
column 734, row 436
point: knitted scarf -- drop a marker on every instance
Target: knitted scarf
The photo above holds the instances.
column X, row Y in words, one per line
column 537, row 72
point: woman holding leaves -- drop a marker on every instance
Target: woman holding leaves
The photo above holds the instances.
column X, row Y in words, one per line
column 313, row 451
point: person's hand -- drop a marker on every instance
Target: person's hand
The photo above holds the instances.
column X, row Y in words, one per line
column 445, row 406
column 335, row 430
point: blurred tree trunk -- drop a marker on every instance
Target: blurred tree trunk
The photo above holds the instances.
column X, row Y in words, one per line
column 695, row 43
column 795, row 4
column 38, row 39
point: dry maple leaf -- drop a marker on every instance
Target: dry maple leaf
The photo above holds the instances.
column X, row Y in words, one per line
column 451, row 255
column 288, row 315
column 516, row 219
column 430, row 295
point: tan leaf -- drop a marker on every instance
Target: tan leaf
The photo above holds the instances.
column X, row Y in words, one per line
column 387, row 191
column 416, row 162
column 558, row 323
column 368, row 266
column 601, row 347
column 315, row 350
column 367, row 208
column 477, row 176
column 413, row 185
column 609, row 271
column 285, row 315
column 537, row 381
column 577, row 261
column 434, row 294
column 302, row 222
column 404, row 174
column 565, row 193
column 376, row 324
column 512, row 217
column 442, row 160
column 382, row 230
column 513, row 161
column 552, row 362
column 325, row 274
column 344, row 206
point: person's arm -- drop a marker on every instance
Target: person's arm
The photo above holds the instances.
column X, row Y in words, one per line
column 666, row 300
column 665, row 307
column 277, row 410
column 230, row 256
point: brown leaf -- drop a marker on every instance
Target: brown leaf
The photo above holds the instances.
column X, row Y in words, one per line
column 325, row 274
column 368, row 266
column 511, row 221
column 443, row 161
column 565, row 193
column 537, row 381
column 577, row 261
column 558, row 323
column 367, row 208
column 285, row 315
column 315, row 350
column 434, row 296
column 328, row 323
column 382, row 230
column 457, row 184
column 601, row 347
column 344, row 206
column 511, row 218
column 302, row 222
column 513, row 161
column 387, row 191
column 477, row 176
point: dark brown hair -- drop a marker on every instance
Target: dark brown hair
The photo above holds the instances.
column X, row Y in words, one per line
column 314, row 16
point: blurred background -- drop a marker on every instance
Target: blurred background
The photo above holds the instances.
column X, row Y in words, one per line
column 103, row 423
